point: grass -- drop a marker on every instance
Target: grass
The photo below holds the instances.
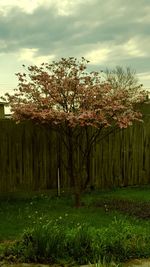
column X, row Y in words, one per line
column 16, row 215
column 57, row 242
column 20, row 212
column 135, row 193
column 111, row 223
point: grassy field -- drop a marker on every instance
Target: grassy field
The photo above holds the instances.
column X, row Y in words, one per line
column 18, row 212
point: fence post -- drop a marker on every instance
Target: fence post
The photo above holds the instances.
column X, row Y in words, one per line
column 2, row 113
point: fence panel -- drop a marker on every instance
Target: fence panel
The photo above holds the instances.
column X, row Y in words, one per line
column 29, row 157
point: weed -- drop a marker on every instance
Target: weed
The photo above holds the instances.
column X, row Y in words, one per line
column 55, row 242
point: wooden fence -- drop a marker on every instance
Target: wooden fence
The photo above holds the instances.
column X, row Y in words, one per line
column 29, row 158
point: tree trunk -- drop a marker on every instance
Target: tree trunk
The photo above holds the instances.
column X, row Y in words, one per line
column 77, row 199
column 72, row 170
column 88, row 178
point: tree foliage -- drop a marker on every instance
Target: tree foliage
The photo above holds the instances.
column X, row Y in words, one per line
column 63, row 92
column 66, row 96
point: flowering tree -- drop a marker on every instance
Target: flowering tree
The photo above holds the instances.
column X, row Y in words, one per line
column 77, row 105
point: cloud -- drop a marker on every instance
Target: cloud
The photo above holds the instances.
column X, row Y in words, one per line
column 63, row 7
column 46, row 29
column 132, row 48
column 98, row 55
column 108, row 33
column 42, row 30
column 145, row 79
column 30, row 56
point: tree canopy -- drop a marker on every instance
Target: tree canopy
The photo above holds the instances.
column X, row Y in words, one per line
column 76, row 102
column 64, row 92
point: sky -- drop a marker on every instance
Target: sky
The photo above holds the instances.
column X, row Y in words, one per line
column 108, row 33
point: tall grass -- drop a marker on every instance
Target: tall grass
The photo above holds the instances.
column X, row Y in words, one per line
column 55, row 242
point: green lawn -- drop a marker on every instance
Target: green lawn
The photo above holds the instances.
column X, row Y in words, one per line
column 128, row 193
column 20, row 212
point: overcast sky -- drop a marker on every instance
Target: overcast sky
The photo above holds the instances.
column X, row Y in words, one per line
column 108, row 33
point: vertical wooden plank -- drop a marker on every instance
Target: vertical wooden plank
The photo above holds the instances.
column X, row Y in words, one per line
column 29, row 159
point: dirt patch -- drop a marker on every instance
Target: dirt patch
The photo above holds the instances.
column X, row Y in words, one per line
column 139, row 209
column 137, row 263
